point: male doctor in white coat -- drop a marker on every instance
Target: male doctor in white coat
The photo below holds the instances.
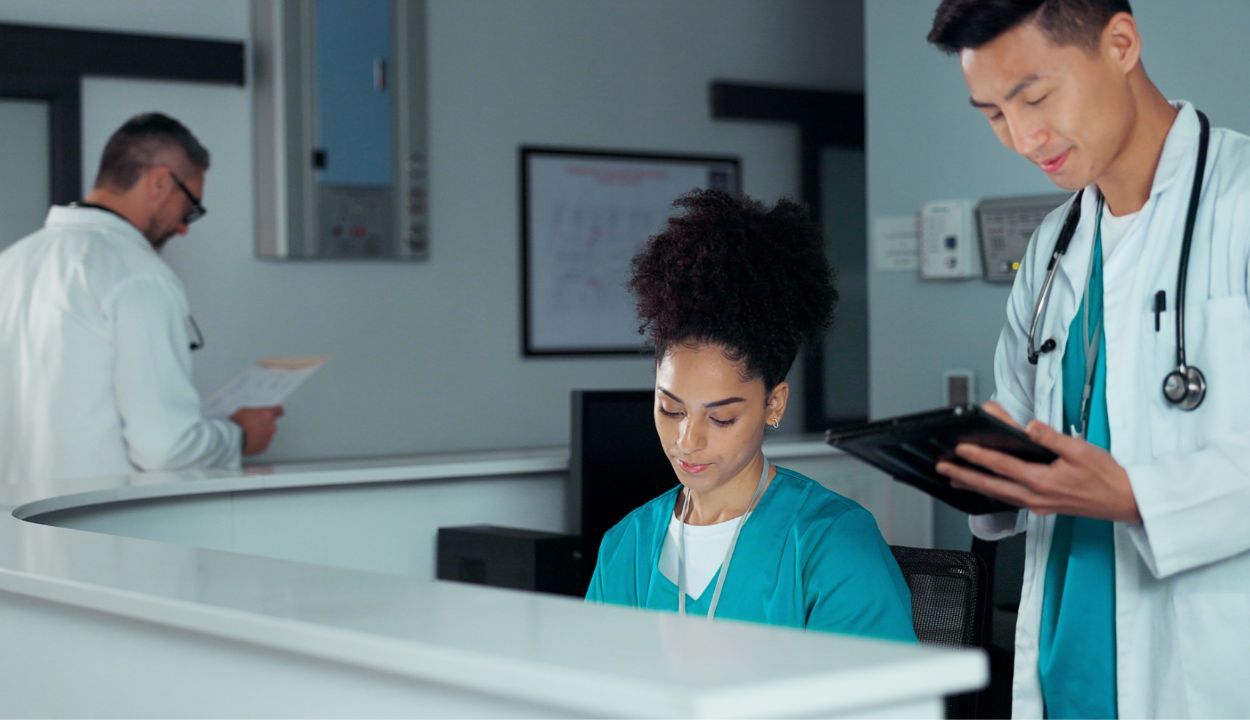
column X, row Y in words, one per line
column 96, row 335
column 1136, row 592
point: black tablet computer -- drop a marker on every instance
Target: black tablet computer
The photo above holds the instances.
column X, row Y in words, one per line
column 909, row 446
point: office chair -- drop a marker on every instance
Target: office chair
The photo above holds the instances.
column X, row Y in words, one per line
column 1005, row 560
column 949, row 605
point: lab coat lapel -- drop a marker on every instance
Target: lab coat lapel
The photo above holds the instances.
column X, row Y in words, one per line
column 1146, row 261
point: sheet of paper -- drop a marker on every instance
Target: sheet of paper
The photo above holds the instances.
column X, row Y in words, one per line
column 267, row 382
column 895, row 243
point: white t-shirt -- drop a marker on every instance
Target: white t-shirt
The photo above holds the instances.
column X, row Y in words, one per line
column 706, row 546
column 1114, row 229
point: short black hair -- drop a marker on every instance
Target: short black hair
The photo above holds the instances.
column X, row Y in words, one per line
column 138, row 144
column 735, row 273
column 969, row 24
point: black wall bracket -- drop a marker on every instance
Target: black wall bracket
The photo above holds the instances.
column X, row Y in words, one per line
column 48, row 64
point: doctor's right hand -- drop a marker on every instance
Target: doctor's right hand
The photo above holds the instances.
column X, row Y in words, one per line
column 1084, row 479
column 259, row 426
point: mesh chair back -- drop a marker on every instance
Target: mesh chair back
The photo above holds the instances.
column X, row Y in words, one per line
column 949, row 595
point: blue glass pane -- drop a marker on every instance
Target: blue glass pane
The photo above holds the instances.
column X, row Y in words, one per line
column 354, row 114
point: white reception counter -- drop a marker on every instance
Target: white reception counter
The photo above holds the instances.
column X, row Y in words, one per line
column 94, row 623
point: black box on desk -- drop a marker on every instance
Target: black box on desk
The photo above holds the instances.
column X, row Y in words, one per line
column 512, row 558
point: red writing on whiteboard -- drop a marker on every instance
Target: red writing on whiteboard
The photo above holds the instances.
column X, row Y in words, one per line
column 617, row 175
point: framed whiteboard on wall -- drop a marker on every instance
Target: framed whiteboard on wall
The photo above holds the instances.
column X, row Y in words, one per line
column 584, row 215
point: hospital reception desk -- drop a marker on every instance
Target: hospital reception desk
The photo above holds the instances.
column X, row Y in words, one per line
column 307, row 590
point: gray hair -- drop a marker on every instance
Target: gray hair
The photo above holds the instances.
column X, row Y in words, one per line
column 138, row 145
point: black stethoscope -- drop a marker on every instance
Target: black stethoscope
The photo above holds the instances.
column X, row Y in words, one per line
column 1185, row 386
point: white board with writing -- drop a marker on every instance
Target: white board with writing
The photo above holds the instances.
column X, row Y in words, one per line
column 585, row 216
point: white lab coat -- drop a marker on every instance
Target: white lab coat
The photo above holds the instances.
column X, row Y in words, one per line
column 95, row 360
column 1183, row 577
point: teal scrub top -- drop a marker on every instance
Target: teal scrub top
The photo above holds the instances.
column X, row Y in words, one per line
column 807, row 558
column 1076, row 661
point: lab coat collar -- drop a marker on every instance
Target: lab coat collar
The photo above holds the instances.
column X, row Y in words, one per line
column 1179, row 148
column 70, row 216
column 1073, row 264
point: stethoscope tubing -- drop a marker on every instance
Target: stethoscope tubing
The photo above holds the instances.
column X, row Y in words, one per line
column 1191, row 216
column 1043, row 298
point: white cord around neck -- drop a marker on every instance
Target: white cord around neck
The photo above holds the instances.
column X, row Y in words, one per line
column 729, row 553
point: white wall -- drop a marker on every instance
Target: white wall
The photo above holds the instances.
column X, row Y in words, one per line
column 426, row 356
column 926, row 143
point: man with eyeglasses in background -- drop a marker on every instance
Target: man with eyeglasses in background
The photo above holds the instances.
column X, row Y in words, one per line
column 96, row 334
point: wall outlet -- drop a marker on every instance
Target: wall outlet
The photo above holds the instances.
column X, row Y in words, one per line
column 959, row 387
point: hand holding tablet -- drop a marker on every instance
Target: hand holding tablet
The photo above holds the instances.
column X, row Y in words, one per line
column 909, row 447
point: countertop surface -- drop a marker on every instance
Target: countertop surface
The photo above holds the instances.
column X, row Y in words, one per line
column 544, row 649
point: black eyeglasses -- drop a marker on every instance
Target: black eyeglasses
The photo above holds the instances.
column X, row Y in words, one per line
column 197, row 210
column 198, row 342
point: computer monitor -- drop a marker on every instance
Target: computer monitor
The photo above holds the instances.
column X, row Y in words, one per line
column 616, row 462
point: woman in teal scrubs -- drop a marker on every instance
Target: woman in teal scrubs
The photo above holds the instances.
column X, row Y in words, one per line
column 727, row 293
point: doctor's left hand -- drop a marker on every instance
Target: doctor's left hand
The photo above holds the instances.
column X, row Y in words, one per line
column 1084, row 481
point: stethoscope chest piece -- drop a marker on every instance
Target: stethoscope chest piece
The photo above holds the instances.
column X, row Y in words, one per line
column 1185, row 387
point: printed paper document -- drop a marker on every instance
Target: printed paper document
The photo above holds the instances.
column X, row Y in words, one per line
column 267, row 382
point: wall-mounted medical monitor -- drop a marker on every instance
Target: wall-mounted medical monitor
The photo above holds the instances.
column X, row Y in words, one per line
column 340, row 129
column 1006, row 225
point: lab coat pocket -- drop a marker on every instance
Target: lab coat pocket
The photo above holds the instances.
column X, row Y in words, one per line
column 1213, row 632
column 1221, row 349
column 1218, row 343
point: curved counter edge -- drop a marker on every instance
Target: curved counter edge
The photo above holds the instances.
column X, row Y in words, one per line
column 147, row 486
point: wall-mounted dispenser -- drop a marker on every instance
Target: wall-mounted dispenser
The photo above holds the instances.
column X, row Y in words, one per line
column 340, row 129
column 948, row 241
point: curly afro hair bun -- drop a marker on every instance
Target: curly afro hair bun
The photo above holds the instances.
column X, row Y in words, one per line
column 733, row 272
